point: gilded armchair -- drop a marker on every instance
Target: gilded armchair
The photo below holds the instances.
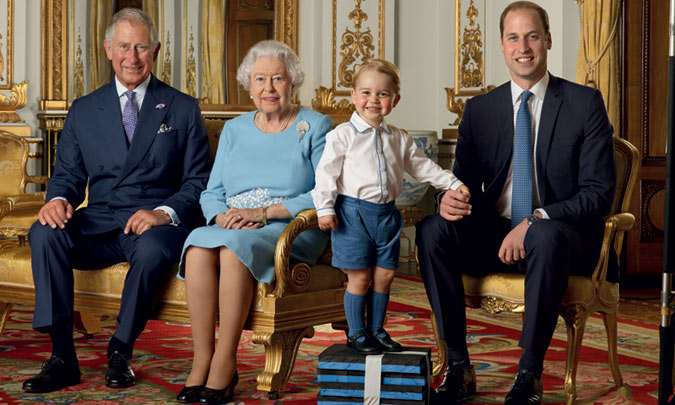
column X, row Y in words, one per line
column 500, row 292
column 18, row 209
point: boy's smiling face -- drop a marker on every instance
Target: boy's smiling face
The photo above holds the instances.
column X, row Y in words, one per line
column 374, row 97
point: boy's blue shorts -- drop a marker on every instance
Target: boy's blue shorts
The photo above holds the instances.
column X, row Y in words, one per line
column 368, row 234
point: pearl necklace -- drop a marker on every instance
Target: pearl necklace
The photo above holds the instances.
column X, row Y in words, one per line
column 263, row 127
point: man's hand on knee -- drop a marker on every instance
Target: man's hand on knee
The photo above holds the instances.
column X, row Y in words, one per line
column 143, row 220
column 55, row 213
column 513, row 245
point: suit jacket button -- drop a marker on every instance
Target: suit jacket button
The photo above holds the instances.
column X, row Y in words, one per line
column 112, row 210
column 114, row 190
column 158, row 165
column 100, row 167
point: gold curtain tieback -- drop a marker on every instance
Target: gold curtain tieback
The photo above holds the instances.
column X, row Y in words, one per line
column 264, row 214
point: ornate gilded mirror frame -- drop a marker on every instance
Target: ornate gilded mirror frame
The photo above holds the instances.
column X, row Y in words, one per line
column 469, row 59
column 18, row 91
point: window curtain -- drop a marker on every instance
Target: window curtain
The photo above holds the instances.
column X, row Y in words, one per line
column 212, row 49
column 598, row 60
column 100, row 69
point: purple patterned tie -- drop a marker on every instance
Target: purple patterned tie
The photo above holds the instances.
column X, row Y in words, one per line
column 130, row 114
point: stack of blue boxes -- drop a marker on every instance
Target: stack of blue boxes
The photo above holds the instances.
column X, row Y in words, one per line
column 348, row 377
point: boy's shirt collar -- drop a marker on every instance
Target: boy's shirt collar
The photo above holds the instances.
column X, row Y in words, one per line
column 362, row 126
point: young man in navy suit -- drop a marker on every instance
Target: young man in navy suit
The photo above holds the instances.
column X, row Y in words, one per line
column 541, row 178
column 141, row 148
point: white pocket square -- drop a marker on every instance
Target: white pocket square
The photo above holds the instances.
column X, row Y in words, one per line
column 164, row 128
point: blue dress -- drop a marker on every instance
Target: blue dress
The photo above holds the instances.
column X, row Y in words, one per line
column 254, row 169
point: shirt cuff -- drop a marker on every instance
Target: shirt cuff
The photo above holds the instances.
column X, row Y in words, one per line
column 543, row 213
column 456, row 184
column 174, row 218
column 322, row 212
column 58, row 198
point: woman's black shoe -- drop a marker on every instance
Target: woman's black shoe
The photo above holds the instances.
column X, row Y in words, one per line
column 190, row 394
column 365, row 346
column 385, row 342
column 222, row 396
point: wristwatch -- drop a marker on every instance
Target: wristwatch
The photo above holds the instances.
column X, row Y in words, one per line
column 532, row 219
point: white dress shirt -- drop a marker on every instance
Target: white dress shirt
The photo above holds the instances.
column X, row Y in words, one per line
column 367, row 163
column 535, row 103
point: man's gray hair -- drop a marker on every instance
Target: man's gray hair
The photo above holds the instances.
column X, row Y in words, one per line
column 132, row 14
column 271, row 49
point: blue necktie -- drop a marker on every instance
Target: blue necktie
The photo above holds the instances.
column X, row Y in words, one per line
column 130, row 114
column 521, row 194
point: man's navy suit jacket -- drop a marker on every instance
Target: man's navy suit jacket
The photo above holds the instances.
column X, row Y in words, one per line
column 576, row 172
column 167, row 163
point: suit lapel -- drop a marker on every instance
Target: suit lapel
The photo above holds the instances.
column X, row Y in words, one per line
column 111, row 120
column 149, row 120
column 504, row 144
column 549, row 114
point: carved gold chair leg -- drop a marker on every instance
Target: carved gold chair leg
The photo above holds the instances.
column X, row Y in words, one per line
column 441, row 350
column 575, row 318
column 609, row 320
column 281, row 349
column 4, row 313
column 87, row 322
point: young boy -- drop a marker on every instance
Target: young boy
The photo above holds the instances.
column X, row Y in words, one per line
column 363, row 164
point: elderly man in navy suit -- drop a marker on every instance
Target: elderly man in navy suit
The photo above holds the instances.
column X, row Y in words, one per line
column 142, row 149
column 537, row 154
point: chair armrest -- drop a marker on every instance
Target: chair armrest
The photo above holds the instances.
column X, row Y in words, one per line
column 37, row 179
column 285, row 276
column 615, row 227
column 5, row 208
column 26, row 200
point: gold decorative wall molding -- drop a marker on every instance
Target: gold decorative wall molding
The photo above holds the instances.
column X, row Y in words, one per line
column 54, row 43
column 325, row 102
column 469, row 61
column 191, row 71
column 356, row 46
column 166, row 65
column 9, row 106
column 286, row 22
column 78, row 86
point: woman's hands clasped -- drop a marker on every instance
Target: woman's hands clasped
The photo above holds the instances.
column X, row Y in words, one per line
column 240, row 218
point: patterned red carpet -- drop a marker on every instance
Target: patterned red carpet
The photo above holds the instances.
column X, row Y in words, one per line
column 163, row 355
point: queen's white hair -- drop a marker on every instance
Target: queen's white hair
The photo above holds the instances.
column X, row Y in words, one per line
column 271, row 49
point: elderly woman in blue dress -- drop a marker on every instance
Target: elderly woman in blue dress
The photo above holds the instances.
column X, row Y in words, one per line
column 262, row 177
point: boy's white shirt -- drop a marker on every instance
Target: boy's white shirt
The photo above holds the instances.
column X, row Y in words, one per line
column 367, row 163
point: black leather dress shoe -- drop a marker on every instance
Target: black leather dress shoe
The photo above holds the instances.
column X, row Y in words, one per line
column 55, row 374
column 222, row 396
column 190, row 394
column 119, row 373
column 527, row 389
column 385, row 342
column 459, row 383
column 365, row 346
